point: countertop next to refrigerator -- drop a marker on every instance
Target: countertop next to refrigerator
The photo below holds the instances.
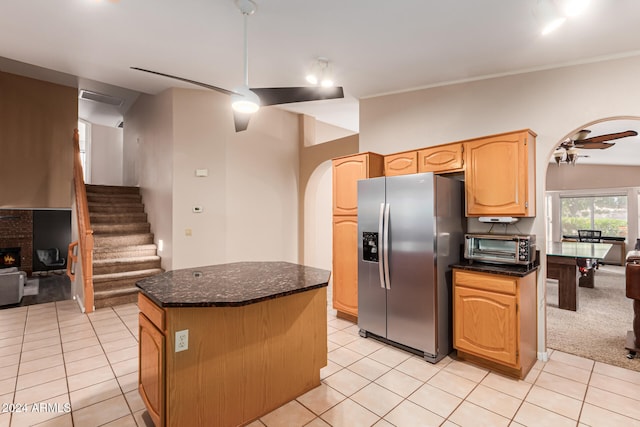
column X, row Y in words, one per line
column 504, row 269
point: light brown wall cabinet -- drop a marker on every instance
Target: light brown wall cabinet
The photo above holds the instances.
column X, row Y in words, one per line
column 495, row 320
column 442, row 158
column 500, row 175
column 401, row 163
column 346, row 173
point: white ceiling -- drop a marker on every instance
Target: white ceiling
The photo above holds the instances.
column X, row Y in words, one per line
column 375, row 46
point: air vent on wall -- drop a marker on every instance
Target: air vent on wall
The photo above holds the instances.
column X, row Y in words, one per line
column 100, row 97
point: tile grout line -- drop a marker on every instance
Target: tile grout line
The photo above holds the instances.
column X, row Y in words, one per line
column 122, row 392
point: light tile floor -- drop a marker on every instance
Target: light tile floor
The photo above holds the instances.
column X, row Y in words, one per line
column 81, row 370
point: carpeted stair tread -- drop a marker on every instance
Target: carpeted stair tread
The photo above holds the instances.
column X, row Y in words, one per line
column 114, row 199
column 111, row 189
column 116, row 265
column 106, row 240
column 117, row 218
column 121, row 228
column 110, row 252
column 123, row 260
column 137, row 274
column 118, row 296
column 115, row 208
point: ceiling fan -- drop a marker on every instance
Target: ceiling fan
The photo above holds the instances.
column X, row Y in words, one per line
column 246, row 101
column 567, row 152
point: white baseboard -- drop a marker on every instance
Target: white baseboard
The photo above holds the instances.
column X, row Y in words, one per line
column 543, row 356
column 80, row 304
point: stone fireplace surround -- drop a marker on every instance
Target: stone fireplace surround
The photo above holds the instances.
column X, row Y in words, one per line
column 16, row 231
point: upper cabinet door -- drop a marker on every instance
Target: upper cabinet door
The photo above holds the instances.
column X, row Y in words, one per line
column 444, row 158
column 346, row 173
column 500, row 175
column 401, row 163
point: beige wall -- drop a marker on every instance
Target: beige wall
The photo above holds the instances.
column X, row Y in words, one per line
column 148, row 163
column 585, row 177
column 554, row 103
column 37, row 120
column 250, row 196
column 201, row 129
column 106, row 155
column 262, row 189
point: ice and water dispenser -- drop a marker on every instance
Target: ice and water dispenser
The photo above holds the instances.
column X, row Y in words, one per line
column 369, row 246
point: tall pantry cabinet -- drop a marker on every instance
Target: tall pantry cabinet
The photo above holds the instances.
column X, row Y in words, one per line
column 346, row 173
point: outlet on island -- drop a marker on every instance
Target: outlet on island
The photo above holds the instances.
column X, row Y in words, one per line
column 182, row 340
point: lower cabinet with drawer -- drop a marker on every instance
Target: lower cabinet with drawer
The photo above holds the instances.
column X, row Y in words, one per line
column 494, row 320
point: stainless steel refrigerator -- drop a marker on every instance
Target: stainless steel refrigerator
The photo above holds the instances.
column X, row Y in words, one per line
column 410, row 229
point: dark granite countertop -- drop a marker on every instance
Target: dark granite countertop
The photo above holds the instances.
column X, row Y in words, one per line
column 234, row 284
column 507, row 270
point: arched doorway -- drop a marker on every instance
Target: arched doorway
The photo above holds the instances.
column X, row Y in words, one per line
column 317, row 218
column 600, row 191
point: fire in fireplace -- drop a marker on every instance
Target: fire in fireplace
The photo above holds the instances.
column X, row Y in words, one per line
column 9, row 257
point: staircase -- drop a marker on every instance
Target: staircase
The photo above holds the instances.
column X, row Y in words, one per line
column 124, row 251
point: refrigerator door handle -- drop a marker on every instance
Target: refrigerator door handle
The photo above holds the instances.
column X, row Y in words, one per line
column 380, row 245
column 385, row 246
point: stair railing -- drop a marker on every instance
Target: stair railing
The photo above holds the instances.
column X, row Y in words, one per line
column 84, row 231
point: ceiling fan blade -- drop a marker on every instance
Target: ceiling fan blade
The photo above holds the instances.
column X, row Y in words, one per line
column 286, row 95
column 241, row 121
column 608, row 137
column 595, row 145
column 193, row 82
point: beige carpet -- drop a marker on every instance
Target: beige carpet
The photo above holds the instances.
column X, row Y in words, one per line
column 599, row 328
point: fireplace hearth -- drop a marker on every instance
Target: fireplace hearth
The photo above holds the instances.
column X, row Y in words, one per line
column 9, row 257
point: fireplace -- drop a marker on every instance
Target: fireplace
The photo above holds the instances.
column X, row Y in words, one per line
column 9, row 257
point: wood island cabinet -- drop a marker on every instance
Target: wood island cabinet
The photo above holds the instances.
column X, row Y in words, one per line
column 441, row 158
column 346, row 173
column 500, row 175
column 241, row 361
column 401, row 163
column 495, row 320
column 151, row 336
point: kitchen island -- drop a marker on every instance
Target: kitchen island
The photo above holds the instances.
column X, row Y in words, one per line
column 225, row 344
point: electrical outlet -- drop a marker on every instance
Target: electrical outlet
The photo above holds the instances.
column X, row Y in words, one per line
column 182, row 340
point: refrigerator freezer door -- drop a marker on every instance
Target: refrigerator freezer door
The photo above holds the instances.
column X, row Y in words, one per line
column 411, row 299
column 371, row 287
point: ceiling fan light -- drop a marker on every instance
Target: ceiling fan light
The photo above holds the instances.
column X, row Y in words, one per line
column 572, row 155
column 558, row 155
column 312, row 79
column 326, row 83
column 245, row 101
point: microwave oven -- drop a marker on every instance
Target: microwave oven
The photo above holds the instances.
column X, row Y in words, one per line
column 501, row 248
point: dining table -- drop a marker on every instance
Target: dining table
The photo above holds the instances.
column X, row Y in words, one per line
column 562, row 264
